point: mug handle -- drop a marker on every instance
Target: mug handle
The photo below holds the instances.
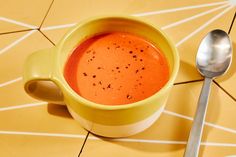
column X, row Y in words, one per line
column 38, row 80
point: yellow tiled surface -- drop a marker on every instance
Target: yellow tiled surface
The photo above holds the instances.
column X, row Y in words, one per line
column 32, row 128
column 23, row 11
column 137, row 149
column 25, row 47
column 27, row 146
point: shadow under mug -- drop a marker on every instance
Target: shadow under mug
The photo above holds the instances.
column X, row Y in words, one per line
column 44, row 79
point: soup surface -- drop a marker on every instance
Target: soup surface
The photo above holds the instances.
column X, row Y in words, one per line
column 116, row 68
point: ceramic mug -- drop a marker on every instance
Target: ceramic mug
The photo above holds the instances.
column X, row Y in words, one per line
column 44, row 80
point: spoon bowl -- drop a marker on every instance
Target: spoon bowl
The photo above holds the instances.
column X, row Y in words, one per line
column 214, row 54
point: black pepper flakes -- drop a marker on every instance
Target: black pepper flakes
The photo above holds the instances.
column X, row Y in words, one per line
column 94, row 84
column 137, row 71
column 88, row 51
column 94, row 76
column 130, row 52
column 141, row 60
column 117, row 67
column 143, row 68
column 99, row 67
column 141, row 50
column 109, row 86
column 134, row 56
column 100, row 82
column 129, row 96
column 85, row 74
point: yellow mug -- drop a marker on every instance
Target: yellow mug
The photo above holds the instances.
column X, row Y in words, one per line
column 44, row 80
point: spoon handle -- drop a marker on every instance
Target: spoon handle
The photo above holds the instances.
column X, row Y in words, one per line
column 194, row 140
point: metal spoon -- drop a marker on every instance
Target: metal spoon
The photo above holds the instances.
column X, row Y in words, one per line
column 213, row 59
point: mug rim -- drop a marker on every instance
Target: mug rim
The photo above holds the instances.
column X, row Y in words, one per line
column 63, row 83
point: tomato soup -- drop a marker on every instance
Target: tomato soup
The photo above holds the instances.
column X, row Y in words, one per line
column 116, row 68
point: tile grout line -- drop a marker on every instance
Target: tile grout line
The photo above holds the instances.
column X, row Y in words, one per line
column 34, row 104
column 58, row 26
column 10, row 82
column 174, row 142
column 5, row 132
column 179, row 9
column 193, row 17
column 214, row 18
column 226, row 129
column 227, row 93
column 72, row 24
column 18, row 23
column 46, row 14
column 164, row 27
column 44, row 134
column 3, row 50
column 232, row 23
column 186, row 82
column 149, row 141
column 18, row 31
column 85, row 140
column 224, row 90
column 47, row 38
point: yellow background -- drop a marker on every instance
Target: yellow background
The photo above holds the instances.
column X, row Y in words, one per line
column 32, row 128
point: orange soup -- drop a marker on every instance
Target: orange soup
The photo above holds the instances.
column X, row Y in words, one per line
column 116, row 68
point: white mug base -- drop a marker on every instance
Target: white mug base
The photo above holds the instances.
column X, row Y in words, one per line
column 117, row 130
